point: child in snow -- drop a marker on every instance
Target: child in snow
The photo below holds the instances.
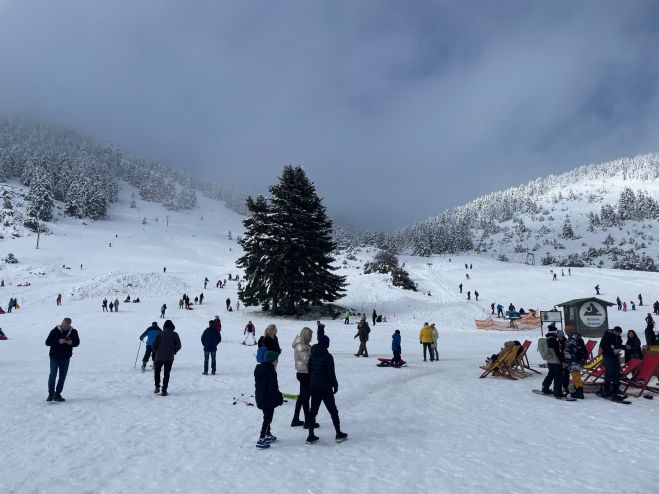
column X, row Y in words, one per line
column 162, row 310
column 435, row 338
column 267, row 396
column 396, row 348
column 250, row 330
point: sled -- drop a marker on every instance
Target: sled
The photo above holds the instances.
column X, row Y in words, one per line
column 2, row 311
column 501, row 366
column 647, row 370
column 290, row 396
column 386, row 362
column 3, row 337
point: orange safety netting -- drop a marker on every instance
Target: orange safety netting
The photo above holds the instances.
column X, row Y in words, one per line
column 530, row 320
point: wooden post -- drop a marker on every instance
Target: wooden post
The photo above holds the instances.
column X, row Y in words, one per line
column 38, row 233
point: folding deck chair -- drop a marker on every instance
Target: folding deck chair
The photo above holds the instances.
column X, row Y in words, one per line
column 593, row 370
column 590, row 346
column 646, row 372
column 502, row 365
column 521, row 363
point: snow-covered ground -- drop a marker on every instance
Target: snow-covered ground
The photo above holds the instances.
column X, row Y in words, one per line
column 429, row 427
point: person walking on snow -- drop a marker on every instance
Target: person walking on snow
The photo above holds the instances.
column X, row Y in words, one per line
column 597, row 289
column 624, row 306
column 61, row 340
column 162, row 310
column 302, row 352
column 640, row 300
column 426, row 339
column 492, row 307
column 218, row 323
column 267, row 396
column 435, row 339
column 324, row 386
column 166, row 345
column 228, row 302
column 320, row 330
column 201, row 299
column 363, row 331
column 499, row 310
column 346, row 317
column 460, row 287
column 205, row 283
column 116, row 305
column 210, row 338
column 374, row 316
column 396, row 348
column 469, row 295
column 58, row 301
column 476, row 295
column 250, row 330
column 150, row 334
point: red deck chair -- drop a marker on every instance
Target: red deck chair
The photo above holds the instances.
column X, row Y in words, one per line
column 645, row 374
column 590, row 346
column 627, row 369
column 522, row 361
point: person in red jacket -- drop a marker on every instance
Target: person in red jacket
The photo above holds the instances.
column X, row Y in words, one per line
column 250, row 330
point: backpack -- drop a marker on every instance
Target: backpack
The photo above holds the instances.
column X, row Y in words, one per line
column 543, row 348
column 260, row 354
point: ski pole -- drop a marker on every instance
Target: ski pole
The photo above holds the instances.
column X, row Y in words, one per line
column 138, row 354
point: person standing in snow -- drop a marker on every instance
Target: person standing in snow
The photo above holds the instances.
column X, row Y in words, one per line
column 180, row 303
column 150, row 334
column 267, row 396
column 320, row 330
column 346, row 317
column 492, row 307
column 302, row 351
column 111, row 306
column 611, row 346
column 426, row 339
column 324, row 386
column 555, row 360
column 201, row 299
column 396, row 348
column 237, row 305
column 205, row 283
column 619, row 303
column 597, row 289
column 655, row 306
column 476, row 295
column 61, row 340
column 575, row 357
column 374, row 316
column 116, row 305
column 435, row 340
column 624, row 306
column 640, row 300
column 460, row 287
column 469, row 295
column 363, row 330
column 250, row 330
column 196, row 300
column 499, row 310
column 104, row 305
column 166, row 345
column 270, row 340
column 210, row 338
column 228, row 302
column 162, row 310
column 58, row 301
column 218, row 323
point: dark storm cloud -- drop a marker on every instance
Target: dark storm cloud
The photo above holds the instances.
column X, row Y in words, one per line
column 397, row 109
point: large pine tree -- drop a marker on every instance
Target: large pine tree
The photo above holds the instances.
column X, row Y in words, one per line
column 289, row 248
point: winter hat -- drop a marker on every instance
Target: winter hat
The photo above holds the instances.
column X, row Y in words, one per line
column 271, row 356
column 397, row 331
column 560, row 333
column 569, row 329
column 324, row 341
column 617, row 330
column 169, row 325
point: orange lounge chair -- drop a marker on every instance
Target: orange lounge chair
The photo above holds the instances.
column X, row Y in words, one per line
column 502, row 365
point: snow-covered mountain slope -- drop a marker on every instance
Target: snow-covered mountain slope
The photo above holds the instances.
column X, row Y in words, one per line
column 430, row 427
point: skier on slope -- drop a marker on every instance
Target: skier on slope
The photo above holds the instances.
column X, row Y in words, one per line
column 492, row 307
column 250, row 330
column 324, row 386
column 150, row 334
column 210, row 338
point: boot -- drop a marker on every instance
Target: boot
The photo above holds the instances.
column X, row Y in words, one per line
column 58, row 397
column 341, row 436
column 296, row 423
column 577, row 393
column 50, row 397
column 157, row 390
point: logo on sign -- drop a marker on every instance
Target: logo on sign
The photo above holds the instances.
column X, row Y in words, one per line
column 592, row 314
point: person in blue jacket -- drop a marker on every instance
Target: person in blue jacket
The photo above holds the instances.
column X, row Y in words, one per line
column 210, row 338
column 150, row 335
column 395, row 347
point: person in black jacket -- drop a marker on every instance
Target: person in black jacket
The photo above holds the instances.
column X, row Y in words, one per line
column 267, row 396
column 323, row 388
column 320, row 330
column 61, row 341
column 166, row 344
column 210, row 338
column 633, row 346
column 270, row 340
column 611, row 345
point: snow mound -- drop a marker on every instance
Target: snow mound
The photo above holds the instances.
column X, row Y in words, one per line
column 142, row 285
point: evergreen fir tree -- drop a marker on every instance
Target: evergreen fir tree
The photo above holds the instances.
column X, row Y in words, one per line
column 297, row 250
column 40, row 198
column 567, row 232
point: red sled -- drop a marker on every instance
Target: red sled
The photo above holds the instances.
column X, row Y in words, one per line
column 386, row 362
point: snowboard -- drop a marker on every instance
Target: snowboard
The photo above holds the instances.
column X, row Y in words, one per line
column 566, row 398
column 386, row 362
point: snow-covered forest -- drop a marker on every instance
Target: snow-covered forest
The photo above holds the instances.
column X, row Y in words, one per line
column 58, row 164
column 595, row 215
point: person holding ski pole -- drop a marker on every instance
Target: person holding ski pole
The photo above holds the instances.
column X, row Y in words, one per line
column 150, row 334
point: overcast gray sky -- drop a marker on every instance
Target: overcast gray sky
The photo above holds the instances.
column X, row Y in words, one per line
column 397, row 109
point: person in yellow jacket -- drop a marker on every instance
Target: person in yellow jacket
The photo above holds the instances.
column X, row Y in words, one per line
column 426, row 339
